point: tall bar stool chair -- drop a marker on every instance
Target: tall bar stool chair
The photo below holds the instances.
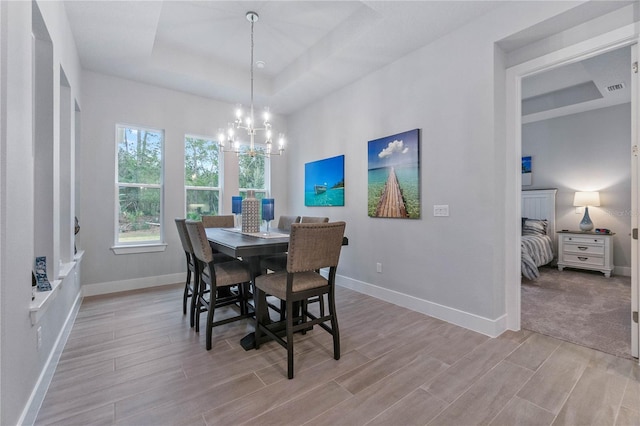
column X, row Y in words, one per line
column 314, row 219
column 285, row 222
column 217, row 275
column 312, row 246
column 278, row 262
column 219, row 221
column 190, row 288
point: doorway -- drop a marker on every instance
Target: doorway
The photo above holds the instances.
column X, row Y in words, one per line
column 576, row 133
column 626, row 36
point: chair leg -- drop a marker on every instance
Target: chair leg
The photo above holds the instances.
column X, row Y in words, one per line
column 212, row 308
column 194, row 299
column 289, row 339
column 200, row 303
column 187, row 293
column 334, row 325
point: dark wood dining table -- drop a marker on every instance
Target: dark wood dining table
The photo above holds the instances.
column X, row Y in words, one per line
column 250, row 248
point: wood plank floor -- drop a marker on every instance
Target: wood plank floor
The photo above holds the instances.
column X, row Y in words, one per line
column 132, row 359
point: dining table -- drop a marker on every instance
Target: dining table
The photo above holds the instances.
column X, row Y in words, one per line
column 250, row 248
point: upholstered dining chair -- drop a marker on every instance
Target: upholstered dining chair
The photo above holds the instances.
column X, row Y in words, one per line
column 216, row 275
column 190, row 288
column 314, row 219
column 312, row 246
column 278, row 262
column 220, row 221
column 285, row 222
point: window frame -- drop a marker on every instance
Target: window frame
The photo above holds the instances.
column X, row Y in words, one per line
column 144, row 246
column 219, row 188
column 267, row 173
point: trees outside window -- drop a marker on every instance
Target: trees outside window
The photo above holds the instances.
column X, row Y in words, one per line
column 253, row 174
column 139, row 185
column 202, row 176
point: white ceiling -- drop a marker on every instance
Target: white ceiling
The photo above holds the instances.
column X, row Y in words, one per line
column 310, row 48
column 578, row 87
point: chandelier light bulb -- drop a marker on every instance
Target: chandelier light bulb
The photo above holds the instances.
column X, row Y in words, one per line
column 239, row 112
column 266, row 116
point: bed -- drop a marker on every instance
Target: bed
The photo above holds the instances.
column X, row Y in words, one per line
column 538, row 230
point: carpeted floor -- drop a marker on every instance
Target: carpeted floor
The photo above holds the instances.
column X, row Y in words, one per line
column 581, row 307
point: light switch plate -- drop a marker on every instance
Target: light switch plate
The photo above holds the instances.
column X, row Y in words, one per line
column 441, row 210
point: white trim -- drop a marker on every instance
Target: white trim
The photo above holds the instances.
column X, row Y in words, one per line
column 486, row 326
column 133, row 284
column 30, row 412
column 624, row 271
column 606, row 42
column 141, row 248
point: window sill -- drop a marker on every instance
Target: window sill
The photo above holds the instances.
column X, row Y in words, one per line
column 42, row 301
column 142, row 248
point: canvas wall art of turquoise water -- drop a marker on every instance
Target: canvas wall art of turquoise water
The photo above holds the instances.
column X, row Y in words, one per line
column 324, row 182
column 394, row 176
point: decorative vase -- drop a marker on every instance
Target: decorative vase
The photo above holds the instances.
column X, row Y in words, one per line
column 586, row 224
column 250, row 213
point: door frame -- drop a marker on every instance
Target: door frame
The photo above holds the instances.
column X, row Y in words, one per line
column 621, row 37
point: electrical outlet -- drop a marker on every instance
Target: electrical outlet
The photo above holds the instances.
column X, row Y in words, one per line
column 379, row 267
column 39, row 336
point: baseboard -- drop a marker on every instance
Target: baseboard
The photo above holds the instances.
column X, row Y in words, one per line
column 134, row 284
column 625, row 271
column 488, row 327
column 30, row 412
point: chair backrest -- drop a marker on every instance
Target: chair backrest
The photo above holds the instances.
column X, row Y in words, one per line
column 184, row 236
column 285, row 222
column 314, row 245
column 201, row 248
column 314, row 219
column 221, row 221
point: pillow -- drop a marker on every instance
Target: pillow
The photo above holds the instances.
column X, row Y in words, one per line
column 535, row 227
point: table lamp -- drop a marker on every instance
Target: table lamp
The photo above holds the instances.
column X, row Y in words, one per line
column 236, row 207
column 586, row 199
column 267, row 210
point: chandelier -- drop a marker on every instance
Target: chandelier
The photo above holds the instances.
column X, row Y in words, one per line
column 248, row 124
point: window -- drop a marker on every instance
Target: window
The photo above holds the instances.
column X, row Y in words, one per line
column 139, row 185
column 201, row 177
column 253, row 173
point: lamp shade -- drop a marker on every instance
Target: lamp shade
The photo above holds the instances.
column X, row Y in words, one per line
column 267, row 209
column 585, row 199
column 236, row 204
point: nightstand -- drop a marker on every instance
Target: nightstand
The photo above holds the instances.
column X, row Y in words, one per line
column 585, row 250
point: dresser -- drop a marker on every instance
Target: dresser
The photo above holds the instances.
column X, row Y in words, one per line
column 585, row 250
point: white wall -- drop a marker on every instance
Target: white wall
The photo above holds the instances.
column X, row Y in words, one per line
column 23, row 366
column 453, row 90
column 589, row 151
column 108, row 101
